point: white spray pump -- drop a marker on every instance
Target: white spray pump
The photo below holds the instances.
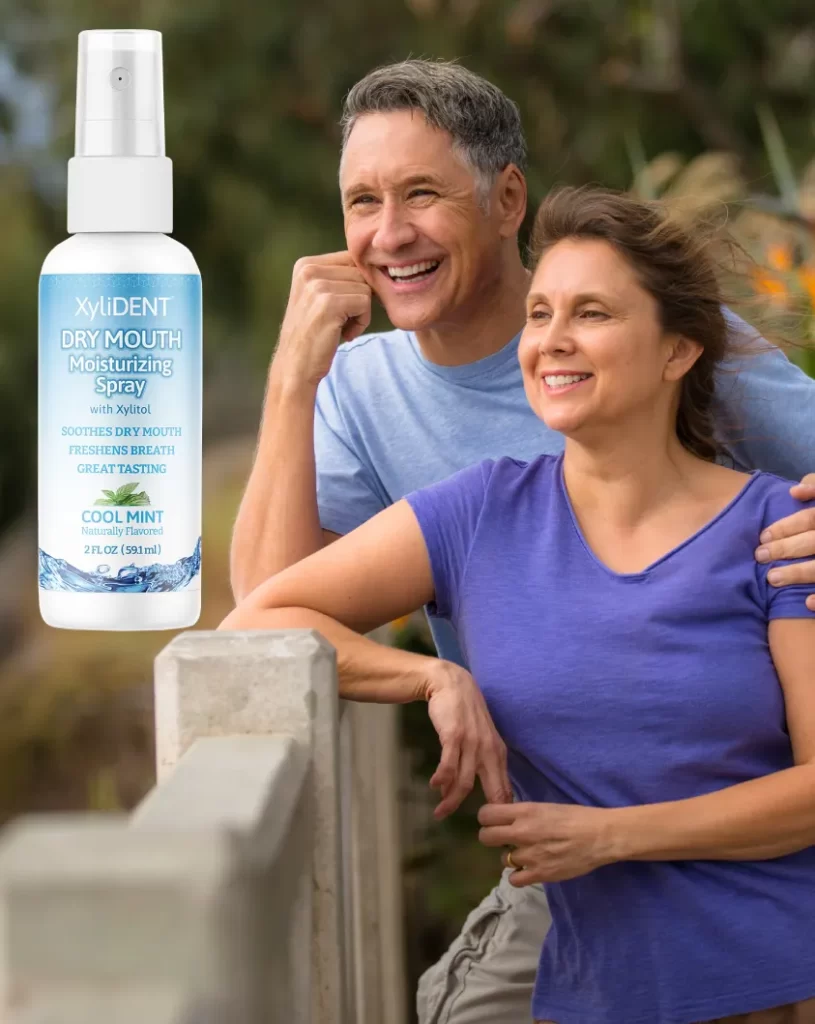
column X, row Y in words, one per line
column 120, row 174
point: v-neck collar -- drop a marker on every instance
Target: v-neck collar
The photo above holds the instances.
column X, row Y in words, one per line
column 668, row 554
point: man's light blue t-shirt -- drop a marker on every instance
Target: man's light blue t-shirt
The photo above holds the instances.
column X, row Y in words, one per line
column 388, row 422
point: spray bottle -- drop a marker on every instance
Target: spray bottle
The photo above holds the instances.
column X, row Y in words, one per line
column 120, row 365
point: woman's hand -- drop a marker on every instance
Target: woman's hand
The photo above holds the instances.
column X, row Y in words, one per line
column 469, row 740
column 553, row 841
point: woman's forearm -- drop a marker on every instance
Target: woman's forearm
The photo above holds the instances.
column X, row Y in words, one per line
column 755, row 820
column 368, row 671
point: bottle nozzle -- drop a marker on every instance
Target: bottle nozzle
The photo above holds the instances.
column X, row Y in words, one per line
column 119, row 94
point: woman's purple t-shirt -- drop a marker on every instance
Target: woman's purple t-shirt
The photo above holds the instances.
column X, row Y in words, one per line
column 618, row 689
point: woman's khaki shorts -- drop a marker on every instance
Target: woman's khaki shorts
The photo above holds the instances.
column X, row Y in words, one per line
column 487, row 976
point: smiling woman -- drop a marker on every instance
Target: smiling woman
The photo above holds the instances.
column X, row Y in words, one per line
column 592, row 309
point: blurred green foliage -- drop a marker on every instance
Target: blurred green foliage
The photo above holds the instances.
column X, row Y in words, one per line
column 253, row 94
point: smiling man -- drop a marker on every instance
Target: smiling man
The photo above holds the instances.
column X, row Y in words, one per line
column 433, row 195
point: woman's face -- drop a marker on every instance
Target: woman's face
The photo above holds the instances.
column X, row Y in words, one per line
column 593, row 352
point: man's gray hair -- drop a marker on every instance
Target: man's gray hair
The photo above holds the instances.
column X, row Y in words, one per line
column 484, row 124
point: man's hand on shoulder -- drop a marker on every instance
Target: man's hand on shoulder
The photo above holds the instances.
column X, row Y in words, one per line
column 329, row 302
column 793, row 537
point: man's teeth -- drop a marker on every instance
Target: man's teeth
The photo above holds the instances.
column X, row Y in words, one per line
column 413, row 270
column 561, row 380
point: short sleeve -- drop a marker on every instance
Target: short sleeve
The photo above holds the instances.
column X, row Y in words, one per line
column 784, row 602
column 348, row 493
column 764, row 408
column 448, row 513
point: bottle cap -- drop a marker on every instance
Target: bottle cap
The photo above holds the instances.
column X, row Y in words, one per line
column 119, row 179
column 119, row 94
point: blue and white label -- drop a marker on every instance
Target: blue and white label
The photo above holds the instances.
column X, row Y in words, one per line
column 120, row 432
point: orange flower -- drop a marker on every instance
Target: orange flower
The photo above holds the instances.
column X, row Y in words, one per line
column 806, row 276
column 779, row 256
column 770, row 284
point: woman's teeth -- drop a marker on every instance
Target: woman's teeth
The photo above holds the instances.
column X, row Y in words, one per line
column 415, row 272
column 561, row 380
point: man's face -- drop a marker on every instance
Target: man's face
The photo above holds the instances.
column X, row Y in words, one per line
column 413, row 222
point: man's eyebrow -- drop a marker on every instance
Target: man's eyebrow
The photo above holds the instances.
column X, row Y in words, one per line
column 421, row 179
column 356, row 190
column 414, row 179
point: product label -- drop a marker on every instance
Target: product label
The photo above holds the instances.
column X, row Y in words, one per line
column 120, row 432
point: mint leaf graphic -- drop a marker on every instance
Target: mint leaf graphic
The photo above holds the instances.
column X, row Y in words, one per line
column 125, row 495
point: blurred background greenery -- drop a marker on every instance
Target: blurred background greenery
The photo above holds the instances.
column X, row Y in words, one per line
column 710, row 103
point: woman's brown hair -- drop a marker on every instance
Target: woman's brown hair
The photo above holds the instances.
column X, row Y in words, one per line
column 673, row 265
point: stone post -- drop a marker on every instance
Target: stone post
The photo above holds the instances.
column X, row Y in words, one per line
column 233, row 683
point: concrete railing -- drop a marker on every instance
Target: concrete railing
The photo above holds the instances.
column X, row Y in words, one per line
column 259, row 881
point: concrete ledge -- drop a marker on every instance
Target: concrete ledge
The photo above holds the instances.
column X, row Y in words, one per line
column 237, row 682
column 247, row 785
column 117, row 1005
column 88, row 904
column 222, row 899
column 282, row 683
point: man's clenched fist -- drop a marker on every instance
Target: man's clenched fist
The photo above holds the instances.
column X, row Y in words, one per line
column 329, row 303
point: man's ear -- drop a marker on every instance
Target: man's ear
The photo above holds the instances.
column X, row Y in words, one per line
column 510, row 200
column 682, row 354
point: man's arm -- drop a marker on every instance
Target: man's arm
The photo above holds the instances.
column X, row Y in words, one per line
column 765, row 407
column 765, row 410
column 278, row 521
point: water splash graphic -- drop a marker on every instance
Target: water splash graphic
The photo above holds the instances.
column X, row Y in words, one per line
column 57, row 574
